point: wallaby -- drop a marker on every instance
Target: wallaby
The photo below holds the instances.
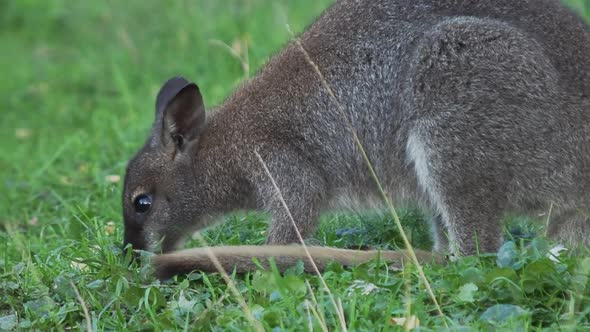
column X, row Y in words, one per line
column 469, row 108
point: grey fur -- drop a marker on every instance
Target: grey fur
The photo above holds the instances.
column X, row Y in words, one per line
column 470, row 108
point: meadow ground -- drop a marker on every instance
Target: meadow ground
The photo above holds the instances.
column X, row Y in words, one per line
column 77, row 96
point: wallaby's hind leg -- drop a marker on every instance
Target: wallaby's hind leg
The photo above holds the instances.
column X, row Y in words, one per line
column 439, row 233
column 469, row 210
column 571, row 227
column 301, row 188
column 475, row 86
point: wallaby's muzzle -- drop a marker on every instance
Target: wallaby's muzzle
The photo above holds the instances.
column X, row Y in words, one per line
column 135, row 238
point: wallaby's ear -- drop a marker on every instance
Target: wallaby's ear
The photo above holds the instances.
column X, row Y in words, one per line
column 180, row 111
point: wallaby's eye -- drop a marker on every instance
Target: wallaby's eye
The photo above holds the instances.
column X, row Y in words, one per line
column 142, row 203
column 178, row 140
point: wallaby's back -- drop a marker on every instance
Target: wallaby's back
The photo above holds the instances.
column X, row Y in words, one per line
column 464, row 98
column 372, row 55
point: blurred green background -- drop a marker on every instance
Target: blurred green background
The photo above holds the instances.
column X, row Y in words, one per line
column 80, row 78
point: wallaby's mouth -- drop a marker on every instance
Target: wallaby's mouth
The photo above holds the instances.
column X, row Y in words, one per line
column 137, row 242
column 135, row 238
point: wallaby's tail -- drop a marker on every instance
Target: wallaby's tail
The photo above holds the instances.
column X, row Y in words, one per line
column 240, row 258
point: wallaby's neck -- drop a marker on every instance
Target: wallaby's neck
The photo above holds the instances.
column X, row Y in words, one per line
column 275, row 101
column 282, row 83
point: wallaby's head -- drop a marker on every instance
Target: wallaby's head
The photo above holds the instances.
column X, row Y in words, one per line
column 158, row 195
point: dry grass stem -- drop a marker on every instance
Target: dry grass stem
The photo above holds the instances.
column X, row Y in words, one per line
column 230, row 284
column 319, row 315
column 243, row 59
column 311, row 261
column 84, row 308
column 548, row 219
column 374, row 176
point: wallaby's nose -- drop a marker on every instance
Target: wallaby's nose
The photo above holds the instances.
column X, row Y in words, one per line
column 135, row 239
column 135, row 236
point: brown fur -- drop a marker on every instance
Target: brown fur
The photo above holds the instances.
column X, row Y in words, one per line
column 469, row 108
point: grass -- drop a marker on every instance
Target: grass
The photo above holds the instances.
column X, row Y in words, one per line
column 77, row 101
